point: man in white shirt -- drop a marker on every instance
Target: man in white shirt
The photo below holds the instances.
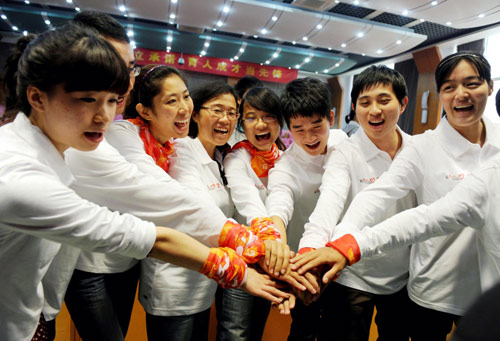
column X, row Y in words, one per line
column 379, row 97
column 295, row 180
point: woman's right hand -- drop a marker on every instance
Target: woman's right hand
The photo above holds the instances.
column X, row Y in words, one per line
column 262, row 285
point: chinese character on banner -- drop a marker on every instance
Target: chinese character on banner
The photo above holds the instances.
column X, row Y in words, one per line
column 235, row 68
column 154, row 57
column 276, row 73
column 263, row 72
column 207, row 65
column 170, row 58
column 192, row 61
column 250, row 70
column 139, row 56
column 222, row 66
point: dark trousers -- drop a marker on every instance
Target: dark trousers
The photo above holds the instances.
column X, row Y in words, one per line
column 240, row 316
column 100, row 305
column 178, row 328
column 430, row 325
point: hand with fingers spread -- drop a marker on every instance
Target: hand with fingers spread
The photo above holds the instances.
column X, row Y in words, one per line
column 277, row 257
column 263, row 286
column 325, row 255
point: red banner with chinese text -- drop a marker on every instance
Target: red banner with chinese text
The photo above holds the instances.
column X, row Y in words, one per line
column 217, row 66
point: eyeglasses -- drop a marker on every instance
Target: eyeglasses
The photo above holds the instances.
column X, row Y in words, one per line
column 266, row 119
column 134, row 71
column 218, row 112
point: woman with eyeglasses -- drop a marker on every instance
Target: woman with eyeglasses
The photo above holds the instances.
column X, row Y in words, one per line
column 242, row 316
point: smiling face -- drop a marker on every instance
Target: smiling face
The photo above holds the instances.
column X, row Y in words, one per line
column 260, row 134
column 463, row 95
column 127, row 53
column 72, row 119
column 377, row 110
column 311, row 133
column 212, row 130
column 171, row 110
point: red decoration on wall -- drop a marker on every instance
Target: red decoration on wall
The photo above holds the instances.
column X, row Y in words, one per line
column 217, row 66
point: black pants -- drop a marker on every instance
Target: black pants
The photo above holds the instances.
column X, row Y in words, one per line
column 430, row 325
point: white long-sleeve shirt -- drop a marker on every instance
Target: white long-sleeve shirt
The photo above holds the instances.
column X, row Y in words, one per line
column 352, row 167
column 473, row 202
column 38, row 212
column 248, row 191
column 166, row 289
column 444, row 271
column 294, row 186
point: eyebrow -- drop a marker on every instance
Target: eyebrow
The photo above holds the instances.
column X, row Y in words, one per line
column 379, row 95
column 174, row 94
column 479, row 78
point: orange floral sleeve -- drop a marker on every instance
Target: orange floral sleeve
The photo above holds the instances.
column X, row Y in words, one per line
column 226, row 267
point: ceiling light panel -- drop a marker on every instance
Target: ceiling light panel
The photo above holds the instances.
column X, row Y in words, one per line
column 464, row 14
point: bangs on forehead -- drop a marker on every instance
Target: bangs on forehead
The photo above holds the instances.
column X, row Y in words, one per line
column 92, row 64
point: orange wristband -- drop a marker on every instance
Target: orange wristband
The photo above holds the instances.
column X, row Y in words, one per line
column 348, row 247
column 225, row 266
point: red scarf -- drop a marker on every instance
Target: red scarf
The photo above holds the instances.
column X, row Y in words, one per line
column 153, row 148
column 261, row 161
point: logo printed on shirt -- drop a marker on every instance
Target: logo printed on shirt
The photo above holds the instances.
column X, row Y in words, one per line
column 214, row 186
column 456, row 177
column 368, row 181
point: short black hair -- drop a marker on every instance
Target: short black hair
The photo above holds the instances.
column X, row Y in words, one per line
column 74, row 56
column 448, row 64
column 379, row 74
column 305, row 97
column 103, row 23
column 246, row 83
column 205, row 93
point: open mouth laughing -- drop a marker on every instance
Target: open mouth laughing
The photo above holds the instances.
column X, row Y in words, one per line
column 263, row 137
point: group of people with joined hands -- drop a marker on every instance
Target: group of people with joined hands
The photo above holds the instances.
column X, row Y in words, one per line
column 83, row 199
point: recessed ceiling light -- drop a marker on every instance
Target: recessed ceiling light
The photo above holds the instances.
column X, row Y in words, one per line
column 289, row 68
column 422, row 20
column 214, row 29
column 398, row 42
column 130, row 33
column 219, row 23
column 319, row 26
column 294, row 42
column 174, row 1
column 25, row 33
column 329, row 49
column 275, row 54
column 225, row 9
column 274, row 18
column 125, row 15
column 122, row 8
column 343, row 45
column 47, row 22
column 236, row 57
column 261, row 64
column 337, row 64
column 169, row 39
column 448, row 23
column 337, row 1
column 360, row 34
column 356, row 2
column 255, row 36
column 434, row 3
column 242, row 50
column 203, row 53
column 68, row 1
column 297, row 66
column 207, row 44
column 316, row 72
column 172, row 16
column 15, row 28
column 481, row 15
column 232, row 60
column 77, row 9
column 379, row 51
column 304, row 38
column 363, row 54
column 405, row 12
column 263, row 31
column 4, row 17
column 307, row 60
column 325, row 70
column 267, row 62
column 27, row 2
